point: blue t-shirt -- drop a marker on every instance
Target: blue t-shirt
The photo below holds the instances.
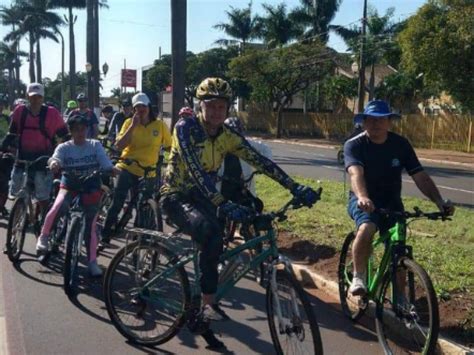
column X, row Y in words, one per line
column 383, row 165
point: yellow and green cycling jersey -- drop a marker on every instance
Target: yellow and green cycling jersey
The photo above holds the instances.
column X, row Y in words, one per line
column 196, row 157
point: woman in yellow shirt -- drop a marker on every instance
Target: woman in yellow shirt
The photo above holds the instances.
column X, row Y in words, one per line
column 141, row 138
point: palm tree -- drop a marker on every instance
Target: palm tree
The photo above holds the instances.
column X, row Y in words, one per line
column 70, row 5
column 242, row 27
column 316, row 15
column 379, row 39
column 36, row 22
column 10, row 16
column 8, row 60
column 277, row 28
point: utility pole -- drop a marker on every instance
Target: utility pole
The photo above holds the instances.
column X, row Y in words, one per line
column 90, row 50
column 71, row 20
column 178, row 52
column 95, row 58
column 361, row 86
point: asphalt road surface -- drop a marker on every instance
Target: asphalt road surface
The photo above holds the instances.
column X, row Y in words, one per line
column 454, row 182
column 40, row 319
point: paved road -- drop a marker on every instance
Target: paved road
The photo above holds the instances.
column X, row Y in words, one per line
column 41, row 320
column 454, row 182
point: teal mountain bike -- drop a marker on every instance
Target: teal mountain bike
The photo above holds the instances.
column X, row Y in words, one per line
column 149, row 296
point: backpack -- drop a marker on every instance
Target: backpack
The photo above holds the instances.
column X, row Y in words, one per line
column 42, row 124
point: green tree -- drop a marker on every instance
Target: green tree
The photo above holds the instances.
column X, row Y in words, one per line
column 277, row 75
column 8, row 59
column 37, row 21
column 71, row 5
column 336, row 90
column 211, row 63
column 380, row 40
column 241, row 27
column 439, row 42
column 11, row 16
column 53, row 87
column 316, row 17
column 277, row 27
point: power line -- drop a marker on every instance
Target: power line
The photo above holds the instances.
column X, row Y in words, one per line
column 135, row 23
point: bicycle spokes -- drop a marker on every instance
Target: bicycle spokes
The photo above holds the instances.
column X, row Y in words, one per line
column 407, row 315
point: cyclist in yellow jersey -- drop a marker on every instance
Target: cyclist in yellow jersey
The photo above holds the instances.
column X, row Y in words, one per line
column 141, row 138
column 190, row 198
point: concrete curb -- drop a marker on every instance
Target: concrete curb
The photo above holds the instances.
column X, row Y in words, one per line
column 308, row 276
column 329, row 146
column 3, row 323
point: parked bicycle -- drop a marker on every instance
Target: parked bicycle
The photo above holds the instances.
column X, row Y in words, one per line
column 23, row 213
column 407, row 315
column 149, row 297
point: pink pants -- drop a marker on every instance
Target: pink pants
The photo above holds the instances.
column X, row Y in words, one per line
column 90, row 202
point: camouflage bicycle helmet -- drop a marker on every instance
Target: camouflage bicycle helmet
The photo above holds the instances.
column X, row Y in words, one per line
column 214, row 88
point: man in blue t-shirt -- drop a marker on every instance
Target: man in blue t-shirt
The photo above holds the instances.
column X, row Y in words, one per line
column 375, row 160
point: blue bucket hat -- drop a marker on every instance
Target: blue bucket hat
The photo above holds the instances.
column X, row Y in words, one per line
column 376, row 108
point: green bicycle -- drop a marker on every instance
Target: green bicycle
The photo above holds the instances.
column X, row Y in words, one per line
column 406, row 307
column 149, row 297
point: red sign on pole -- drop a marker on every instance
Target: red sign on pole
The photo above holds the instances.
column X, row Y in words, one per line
column 129, row 78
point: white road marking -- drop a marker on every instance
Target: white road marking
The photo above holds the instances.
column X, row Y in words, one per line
column 332, row 167
column 3, row 322
column 306, row 153
column 443, row 187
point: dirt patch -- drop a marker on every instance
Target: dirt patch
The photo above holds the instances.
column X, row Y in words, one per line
column 456, row 313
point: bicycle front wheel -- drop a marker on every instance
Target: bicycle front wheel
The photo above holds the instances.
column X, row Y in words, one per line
column 148, row 316
column 71, row 259
column 291, row 319
column 147, row 216
column 411, row 323
column 17, row 224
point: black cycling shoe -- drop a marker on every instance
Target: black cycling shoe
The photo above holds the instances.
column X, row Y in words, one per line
column 5, row 250
column 212, row 342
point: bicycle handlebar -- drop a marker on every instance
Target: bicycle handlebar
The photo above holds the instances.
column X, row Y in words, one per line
column 39, row 163
column 238, row 180
column 418, row 213
column 295, row 204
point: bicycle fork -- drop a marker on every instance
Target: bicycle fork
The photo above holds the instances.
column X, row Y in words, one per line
column 284, row 325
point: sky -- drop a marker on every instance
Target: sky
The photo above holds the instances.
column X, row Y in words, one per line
column 132, row 31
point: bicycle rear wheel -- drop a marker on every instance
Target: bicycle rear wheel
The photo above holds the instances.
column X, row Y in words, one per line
column 152, row 316
column 17, row 224
column 352, row 307
column 297, row 331
column 71, row 259
column 412, row 324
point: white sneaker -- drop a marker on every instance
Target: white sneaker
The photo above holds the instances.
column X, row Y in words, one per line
column 358, row 287
column 214, row 313
column 42, row 243
column 94, row 269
